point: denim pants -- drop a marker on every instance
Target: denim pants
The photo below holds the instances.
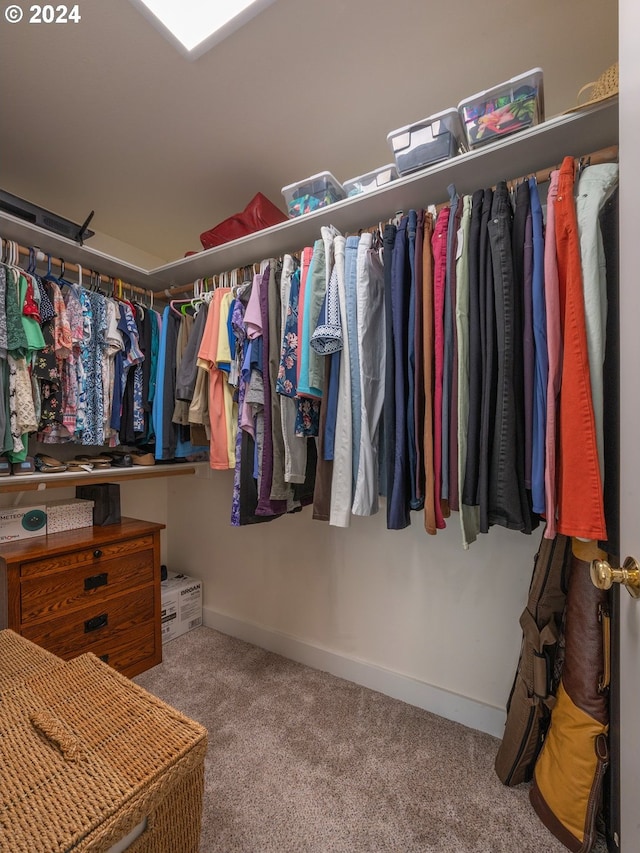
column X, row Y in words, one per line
column 389, row 416
column 469, row 495
column 507, row 498
column 399, row 495
column 351, row 286
column 541, row 371
column 489, row 362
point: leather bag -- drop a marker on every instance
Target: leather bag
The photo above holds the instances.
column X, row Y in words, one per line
column 258, row 214
column 567, row 780
column 536, row 680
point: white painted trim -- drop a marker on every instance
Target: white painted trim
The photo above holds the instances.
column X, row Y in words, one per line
column 452, row 706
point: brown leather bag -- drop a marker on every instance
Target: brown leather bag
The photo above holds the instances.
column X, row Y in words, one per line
column 567, row 781
column 258, row 214
column 536, row 680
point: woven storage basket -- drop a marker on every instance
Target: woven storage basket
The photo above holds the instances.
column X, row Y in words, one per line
column 20, row 658
column 86, row 755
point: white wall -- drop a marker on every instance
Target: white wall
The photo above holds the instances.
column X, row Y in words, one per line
column 402, row 601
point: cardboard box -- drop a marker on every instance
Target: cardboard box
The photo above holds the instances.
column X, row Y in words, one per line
column 181, row 605
column 68, row 514
column 22, row 522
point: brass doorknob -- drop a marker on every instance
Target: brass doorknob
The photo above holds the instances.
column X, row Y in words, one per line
column 603, row 576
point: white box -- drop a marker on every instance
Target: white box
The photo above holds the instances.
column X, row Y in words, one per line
column 181, row 605
column 68, row 514
column 22, row 522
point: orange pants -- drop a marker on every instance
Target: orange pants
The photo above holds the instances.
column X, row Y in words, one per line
column 579, row 495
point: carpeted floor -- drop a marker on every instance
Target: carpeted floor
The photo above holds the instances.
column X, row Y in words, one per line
column 300, row 760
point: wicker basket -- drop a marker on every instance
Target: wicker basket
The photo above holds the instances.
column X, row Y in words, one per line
column 87, row 755
column 20, row 658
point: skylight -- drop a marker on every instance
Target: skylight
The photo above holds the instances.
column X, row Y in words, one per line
column 196, row 25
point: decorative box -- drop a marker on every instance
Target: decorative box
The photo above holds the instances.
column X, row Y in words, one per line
column 371, row 181
column 68, row 514
column 22, row 522
column 504, row 109
column 312, row 193
column 431, row 140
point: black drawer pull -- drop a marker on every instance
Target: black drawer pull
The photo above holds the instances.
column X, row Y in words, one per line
column 97, row 553
column 104, row 658
column 96, row 623
column 95, row 581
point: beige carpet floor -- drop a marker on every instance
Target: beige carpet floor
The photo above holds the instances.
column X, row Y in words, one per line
column 299, row 760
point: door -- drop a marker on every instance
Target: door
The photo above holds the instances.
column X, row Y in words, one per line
column 629, row 611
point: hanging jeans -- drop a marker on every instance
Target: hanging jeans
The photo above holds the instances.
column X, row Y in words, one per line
column 470, row 484
column 580, row 499
column 399, row 495
column 507, row 498
column 489, row 362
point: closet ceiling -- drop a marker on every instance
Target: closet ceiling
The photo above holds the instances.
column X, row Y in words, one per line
column 107, row 115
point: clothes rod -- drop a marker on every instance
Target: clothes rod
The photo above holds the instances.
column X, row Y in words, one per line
column 603, row 155
column 43, row 257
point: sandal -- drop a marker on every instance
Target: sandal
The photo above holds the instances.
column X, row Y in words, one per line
column 78, row 466
column 98, row 462
column 48, row 465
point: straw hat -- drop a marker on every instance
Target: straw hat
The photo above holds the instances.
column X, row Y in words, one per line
column 606, row 86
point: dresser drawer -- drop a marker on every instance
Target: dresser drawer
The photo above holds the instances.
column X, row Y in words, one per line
column 85, row 556
column 75, row 632
column 132, row 653
column 51, row 595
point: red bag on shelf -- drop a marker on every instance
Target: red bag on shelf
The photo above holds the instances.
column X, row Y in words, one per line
column 258, row 214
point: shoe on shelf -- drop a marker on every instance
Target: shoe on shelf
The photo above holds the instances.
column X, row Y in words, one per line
column 26, row 466
column 120, row 459
column 140, row 457
column 48, row 464
column 100, row 461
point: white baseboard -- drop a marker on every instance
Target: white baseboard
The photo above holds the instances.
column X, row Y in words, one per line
column 452, row 706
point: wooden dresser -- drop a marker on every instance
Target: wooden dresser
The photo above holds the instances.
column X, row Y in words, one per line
column 95, row 589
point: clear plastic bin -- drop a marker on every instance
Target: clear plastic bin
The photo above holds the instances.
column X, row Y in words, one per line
column 422, row 143
column 371, row 181
column 312, row 193
column 505, row 109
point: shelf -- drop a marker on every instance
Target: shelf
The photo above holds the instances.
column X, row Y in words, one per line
column 540, row 147
column 41, row 482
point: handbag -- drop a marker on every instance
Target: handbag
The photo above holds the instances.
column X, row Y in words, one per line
column 258, row 214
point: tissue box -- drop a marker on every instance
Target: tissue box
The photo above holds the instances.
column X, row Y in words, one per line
column 68, row 514
column 22, row 523
column 181, row 609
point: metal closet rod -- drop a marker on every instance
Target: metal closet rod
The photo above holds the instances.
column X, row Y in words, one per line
column 603, row 155
column 43, row 257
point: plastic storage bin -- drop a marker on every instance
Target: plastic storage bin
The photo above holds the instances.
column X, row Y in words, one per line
column 507, row 108
column 422, row 143
column 371, row 181
column 312, row 193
